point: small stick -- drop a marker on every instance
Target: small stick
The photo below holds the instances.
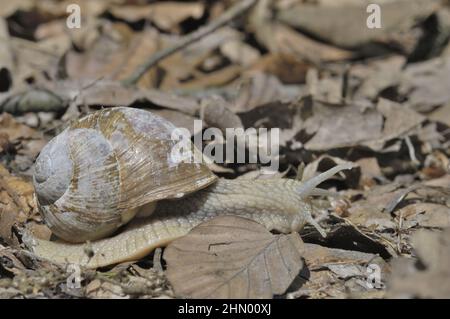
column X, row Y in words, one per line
column 236, row 10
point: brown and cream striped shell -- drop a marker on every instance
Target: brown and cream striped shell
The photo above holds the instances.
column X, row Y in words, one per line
column 94, row 176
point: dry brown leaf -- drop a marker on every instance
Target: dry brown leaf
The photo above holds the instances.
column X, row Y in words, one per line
column 370, row 169
column 15, row 130
column 166, row 15
column 399, row 119
column 279, row 38
column 10, row 7
column 33, row 58
column 233, row 257
column 216, row 112
column 183, row 67
column 31, row 100
column 258, row 88
column 441, row 114
column 430, row 281
column 19, row 191
column 344, row 22
column 317, row 256
column 426, row 214
column 237, row 51
column 377, row 75
column 6, row 58
column 369, row 212
column 113, row 93
column 9, row 262
column 180, row 120
column 26, row 142
column 115, row 55
column 286, row 67
column 425, row 84
column 215, row 79
column 352, row 125
column 16, row 204
column 98, row 289
column 288, row 41
column 342, row 126
column 333, row 271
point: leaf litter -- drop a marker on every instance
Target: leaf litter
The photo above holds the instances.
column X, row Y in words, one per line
column 337, row 91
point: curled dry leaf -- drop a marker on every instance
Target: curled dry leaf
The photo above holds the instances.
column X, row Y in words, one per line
column 233, row 257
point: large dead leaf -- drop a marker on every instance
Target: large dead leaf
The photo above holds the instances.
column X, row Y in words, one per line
column 358, row 124
column 344, row 22
column 342, row 126
column 426, row 215
column 377, row 75
column 233, row 257
column 426, row 84
column 115, row 55
column 279, row 38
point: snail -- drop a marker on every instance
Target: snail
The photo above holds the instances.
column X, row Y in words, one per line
column 108, row 186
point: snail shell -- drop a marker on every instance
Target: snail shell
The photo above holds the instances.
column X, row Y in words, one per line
column 94, row 176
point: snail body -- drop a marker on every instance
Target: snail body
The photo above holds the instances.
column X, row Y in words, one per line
column 98, row 174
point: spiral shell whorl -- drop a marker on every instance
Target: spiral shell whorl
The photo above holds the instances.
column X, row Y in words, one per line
column 53, row 170
column 93, row 177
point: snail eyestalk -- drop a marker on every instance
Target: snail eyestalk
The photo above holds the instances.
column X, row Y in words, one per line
column 308, row 187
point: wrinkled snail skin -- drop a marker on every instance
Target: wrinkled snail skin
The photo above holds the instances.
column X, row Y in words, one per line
column 181, row 198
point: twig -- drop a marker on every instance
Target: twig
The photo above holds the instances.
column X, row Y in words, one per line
column 236, row 10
